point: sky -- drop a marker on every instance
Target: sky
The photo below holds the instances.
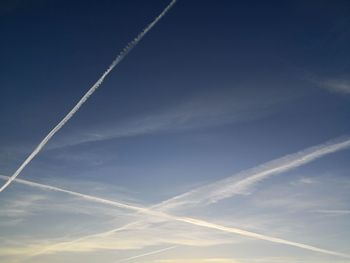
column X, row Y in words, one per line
column 223, row 136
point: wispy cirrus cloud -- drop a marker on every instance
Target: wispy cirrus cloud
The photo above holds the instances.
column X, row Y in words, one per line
column 16, row 210
column 333, row 211
column 208, row 109
column 170, row 233
column 341, row 86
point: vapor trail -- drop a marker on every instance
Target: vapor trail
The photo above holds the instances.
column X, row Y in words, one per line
column 188, row 220
column 70, row 114
column 245, row 233
column 252, row 176
column 149, row 253
column 87, row 197
column 230, row 186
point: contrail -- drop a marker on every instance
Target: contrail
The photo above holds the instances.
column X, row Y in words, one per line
column 245, row 233
column 85, row 196
column 70, row 114
column 188, row 220
column 149, row 253
column 260, row 173
column 229, row 186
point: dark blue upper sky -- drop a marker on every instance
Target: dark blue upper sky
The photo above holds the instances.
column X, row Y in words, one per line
column 215, row 62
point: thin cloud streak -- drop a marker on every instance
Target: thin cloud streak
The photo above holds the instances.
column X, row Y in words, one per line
column 200, row 111
column 333, row 211
column 261, row 237
column 229, row 186
column 88, row 197
column 149, row 253
column 189, row 220
column 251, row 177
column 341, row 86
column 115, row 62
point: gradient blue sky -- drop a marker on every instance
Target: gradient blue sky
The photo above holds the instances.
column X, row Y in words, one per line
column 216, row 88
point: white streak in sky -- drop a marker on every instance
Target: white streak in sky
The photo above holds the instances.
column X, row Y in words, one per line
column 70, row 114
column 337, row 85
column 261, row 237
column 227, row 187
column 188, row 220
column 149, row 253
column 230, row 186
column 333, row 211
column 84, row 196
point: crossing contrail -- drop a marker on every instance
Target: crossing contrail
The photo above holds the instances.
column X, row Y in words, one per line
column 260, row 173
column 70, row 114
column 308, row 156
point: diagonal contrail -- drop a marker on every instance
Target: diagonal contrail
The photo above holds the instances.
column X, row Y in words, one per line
column 249, row 178
column 149, row 253
column 229, row 186
column 166, row 216
column 308, row 156
column 70, row 114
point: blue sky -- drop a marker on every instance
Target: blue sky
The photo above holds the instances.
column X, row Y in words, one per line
column 227, row 113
